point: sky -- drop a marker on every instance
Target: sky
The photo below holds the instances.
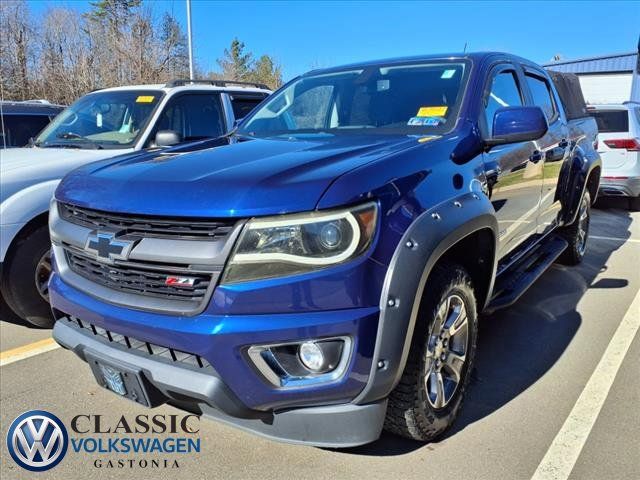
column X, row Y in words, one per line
column 302, row 35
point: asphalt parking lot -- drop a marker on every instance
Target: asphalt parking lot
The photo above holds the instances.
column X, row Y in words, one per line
column 534, row 363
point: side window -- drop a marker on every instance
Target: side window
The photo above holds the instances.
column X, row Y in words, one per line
column 194, row 116
column 18, row 129
column 243, row 105
column 504, row 93
column 542, row 97
column 309, row 108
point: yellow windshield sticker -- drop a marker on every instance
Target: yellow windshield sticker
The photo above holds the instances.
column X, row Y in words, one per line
column 432, row 111
column 145, row 99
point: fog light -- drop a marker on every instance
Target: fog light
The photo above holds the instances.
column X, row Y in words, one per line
column 311, row 356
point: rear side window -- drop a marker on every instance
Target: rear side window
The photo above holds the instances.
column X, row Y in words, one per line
column 18, row 129
column 243, row 105
column 542, row 97
column 504, row 93
column 637, row 112
column 611, row 120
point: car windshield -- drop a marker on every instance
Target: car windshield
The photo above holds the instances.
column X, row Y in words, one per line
column 112, row 119
column 408, row 99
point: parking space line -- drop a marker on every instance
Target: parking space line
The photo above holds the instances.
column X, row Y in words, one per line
column 565, row 449
column 616, row 239
column 26, row 351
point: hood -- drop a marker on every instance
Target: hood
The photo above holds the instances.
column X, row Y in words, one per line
column 250, row 178
column 22, row 167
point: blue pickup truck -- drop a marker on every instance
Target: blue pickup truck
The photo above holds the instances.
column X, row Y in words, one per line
column 322, row 275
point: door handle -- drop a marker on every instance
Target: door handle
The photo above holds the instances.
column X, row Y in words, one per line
column 536, row 156
column 555, row 154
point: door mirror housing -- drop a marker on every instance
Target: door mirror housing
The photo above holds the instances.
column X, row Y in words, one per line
column 167, row 138
column 517, row 124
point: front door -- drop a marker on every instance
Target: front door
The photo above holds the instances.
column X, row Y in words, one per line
column 514, row 172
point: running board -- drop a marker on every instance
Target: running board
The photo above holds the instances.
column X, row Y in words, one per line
column 510, row 285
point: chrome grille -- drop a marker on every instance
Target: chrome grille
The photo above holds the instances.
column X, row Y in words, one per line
column 141, row 279
column 146, row 226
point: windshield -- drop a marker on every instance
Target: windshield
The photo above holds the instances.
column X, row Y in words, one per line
column 112, row 119
column 408, row 99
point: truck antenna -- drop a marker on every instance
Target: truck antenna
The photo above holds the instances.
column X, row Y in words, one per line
column 465, row 48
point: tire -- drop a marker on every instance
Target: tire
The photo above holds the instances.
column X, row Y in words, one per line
column 634, row 204
column 577, row 234
column 19, row 278
column 416, row 409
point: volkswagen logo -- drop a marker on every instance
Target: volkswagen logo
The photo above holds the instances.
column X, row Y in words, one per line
column 37, row 440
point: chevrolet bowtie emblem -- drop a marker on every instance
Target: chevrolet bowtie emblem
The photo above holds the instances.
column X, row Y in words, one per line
column 107, row 248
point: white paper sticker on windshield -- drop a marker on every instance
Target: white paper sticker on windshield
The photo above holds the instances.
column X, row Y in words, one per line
column 448, row 74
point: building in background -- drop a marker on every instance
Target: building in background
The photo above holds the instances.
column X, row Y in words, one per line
column 605, row 79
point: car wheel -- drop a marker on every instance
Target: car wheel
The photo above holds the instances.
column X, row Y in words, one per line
column 25, row 278
column 577, row 234
column 429, row 395
column 634, row 204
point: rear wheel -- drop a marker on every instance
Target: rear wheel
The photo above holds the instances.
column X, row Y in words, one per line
column 429, row 396
column 25, row 279
column 577, row 234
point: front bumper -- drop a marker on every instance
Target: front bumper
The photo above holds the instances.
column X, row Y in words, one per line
column 329, row 426
column 231, row 388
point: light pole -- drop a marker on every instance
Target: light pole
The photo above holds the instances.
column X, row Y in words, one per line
column 189, row 39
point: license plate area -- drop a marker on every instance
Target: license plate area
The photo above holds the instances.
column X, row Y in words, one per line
column 123, row 380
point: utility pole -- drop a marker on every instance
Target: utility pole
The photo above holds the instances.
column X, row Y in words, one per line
column 191, row 75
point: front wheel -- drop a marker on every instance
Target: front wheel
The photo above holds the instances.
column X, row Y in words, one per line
column 25, row 279
column 577, row 234
column 429, row 395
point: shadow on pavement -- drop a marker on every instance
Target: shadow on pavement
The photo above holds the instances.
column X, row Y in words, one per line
column 518, row 345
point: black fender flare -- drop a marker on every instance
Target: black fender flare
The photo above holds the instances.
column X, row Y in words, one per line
column 583, row 163
column 433, row 233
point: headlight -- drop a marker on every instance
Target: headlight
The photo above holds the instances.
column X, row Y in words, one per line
column 289, row 244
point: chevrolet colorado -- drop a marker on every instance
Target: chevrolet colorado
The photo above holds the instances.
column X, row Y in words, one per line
column 322, row 276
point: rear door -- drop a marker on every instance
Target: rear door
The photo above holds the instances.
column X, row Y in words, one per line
column 554, row 145
column 514, row 178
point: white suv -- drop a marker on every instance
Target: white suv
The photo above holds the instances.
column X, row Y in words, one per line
column 619, row 148
column 102, row 124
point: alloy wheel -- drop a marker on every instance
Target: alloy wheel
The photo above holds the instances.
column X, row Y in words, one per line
column 43, row 272
column 446, row 351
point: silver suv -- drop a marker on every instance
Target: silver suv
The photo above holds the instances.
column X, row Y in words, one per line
column 619, row 148
column 102, row 124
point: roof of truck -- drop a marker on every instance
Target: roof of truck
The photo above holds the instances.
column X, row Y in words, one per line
column 475, row 56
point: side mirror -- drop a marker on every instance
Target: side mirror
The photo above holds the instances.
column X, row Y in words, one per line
column 517, row 124
column 166, row 138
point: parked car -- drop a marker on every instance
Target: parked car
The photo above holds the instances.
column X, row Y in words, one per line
column 99, row 125
column 619, row 147
column 322, row 277
column 22, row 121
